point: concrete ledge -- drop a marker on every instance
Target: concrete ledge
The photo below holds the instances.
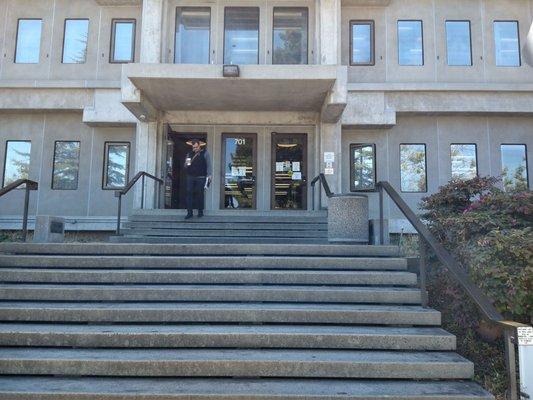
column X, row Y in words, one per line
column 71, row 223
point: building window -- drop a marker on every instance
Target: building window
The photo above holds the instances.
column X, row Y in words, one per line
column 506, row 43
column 362, row 43
column 193, row 30
column 241, row 35
column 413, row 168
column 459, row 43
column 66, row 165
column 289, row 35
column 116, row 165
column 75, row 41
column 464, row 161
column 410, row 43
column 514, row 167
column 123, row 41
column 17, row 161
column 363, row 167
column 28, row 47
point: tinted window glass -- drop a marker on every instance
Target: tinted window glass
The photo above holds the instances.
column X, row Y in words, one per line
column 116, row 165
column 241, row 35
column 66, row 165
column 410, row 43
column 192, row 35
column 123, row 41
column 289, row 36
column 506, row 44
column 75, row 41
column 464, row 161
column 514, row 167
column 17, row 161
column 28, row 41
column 363, row 167
column 458, row 43
column 362, row 50
column 413, row 167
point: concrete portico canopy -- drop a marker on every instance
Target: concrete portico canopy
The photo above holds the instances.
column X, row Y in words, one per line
column 150, row 88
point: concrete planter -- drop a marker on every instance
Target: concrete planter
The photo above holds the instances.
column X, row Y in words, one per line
column 348, row 218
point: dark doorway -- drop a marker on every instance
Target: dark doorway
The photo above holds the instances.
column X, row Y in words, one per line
column 178, row 145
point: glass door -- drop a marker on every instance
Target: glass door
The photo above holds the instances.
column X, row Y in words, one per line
column 238, row 171
column 289, row 171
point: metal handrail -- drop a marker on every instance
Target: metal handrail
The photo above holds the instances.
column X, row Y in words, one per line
column 323, row 181
column 480, row 299
column 119, row 193
column 30, row 185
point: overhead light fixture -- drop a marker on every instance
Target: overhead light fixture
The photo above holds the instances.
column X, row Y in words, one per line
column 189, row 143
column 230, row 71
column 287, row 145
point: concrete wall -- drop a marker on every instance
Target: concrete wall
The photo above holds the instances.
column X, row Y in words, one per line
column 87, row 205
column 488, row 133
column 53, row 14
column 434, row 13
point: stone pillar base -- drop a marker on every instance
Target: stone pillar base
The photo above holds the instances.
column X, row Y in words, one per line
column 49, row 229
column 348, row 219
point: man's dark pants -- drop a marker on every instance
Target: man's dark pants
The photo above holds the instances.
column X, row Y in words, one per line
column 195, row 193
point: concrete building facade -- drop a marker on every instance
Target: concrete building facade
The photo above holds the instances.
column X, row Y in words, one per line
column 409, row 91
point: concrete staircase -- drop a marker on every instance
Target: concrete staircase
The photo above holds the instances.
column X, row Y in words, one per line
column 211, row 321
column 156, row 226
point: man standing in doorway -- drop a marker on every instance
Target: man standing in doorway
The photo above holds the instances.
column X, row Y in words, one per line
column 198, row 168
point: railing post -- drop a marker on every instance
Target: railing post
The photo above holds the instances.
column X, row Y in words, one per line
column 510, row 363
column 381, row 217
column 25, row 216
column 119, row 211
column 142, row 192
column 423, row 271
column 313, row 196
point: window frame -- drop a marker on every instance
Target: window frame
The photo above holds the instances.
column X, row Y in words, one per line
column 360, row 145
column 370, row 22
column 107, row 144
column 114, row 22
column 470, row 38
column 258, row 33
column 463, row 144
column 422, row 39
column 54, row 164
column 519, row 46
column 273, row 31
column 211, row 45
column 5, row 159
column 17, row 40
column 425, row 166
column 64, row 37
column 527, row 160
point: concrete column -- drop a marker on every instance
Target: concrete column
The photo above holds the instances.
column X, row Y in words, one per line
column 330, row 32
column 146, row 160
column 331, row 141
column 152, row 31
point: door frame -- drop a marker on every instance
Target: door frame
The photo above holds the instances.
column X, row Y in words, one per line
column 225, row 135
column 273, row 136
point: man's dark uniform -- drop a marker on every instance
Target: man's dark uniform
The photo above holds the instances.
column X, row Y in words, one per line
column 197, row 173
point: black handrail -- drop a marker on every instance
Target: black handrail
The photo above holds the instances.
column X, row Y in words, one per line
column 480, row 299
column 323, row 181
column 119, row 193
column 30, row 185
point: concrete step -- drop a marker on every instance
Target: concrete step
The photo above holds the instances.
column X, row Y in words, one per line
column 203, row 249
column 277, row 218
column 206, row 276
column 199, row 224
column 223, row 336
column 248, row 241
column 201, row 262
column 227, row 293
column 235, row 363
column 102, row 388
column 292, row 313
column 237, row 233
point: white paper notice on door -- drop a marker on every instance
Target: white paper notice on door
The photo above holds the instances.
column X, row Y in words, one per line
column 296, row 166
column 234, row 171
column 242, row 171
column 279, row 166
column 296, row 176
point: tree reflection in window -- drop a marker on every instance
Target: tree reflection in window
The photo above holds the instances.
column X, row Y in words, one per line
column 116, row 165
column 514, row 167
column 66, row 165
column 464, row 161
column 75, row 41
column 363, row 167
column 289, row 35
column 413, row 167
column 17, row 161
